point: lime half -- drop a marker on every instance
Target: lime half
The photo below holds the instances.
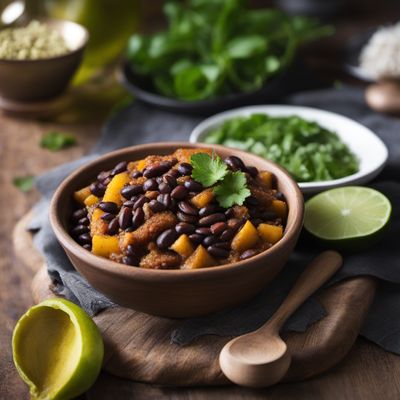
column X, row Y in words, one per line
column 348, row 214
column 57, row 349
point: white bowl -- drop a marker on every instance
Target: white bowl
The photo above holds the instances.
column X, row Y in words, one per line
column 371, row 152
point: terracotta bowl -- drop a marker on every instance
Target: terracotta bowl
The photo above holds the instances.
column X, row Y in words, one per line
column 176, row 293
column 42, row 79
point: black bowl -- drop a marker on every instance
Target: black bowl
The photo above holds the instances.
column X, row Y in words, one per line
column 143, row 90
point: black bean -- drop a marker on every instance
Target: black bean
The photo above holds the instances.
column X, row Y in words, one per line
column 84, row 221
column 79, row 229
column 85, row 238
column 174, row 172
column 130, row 229
column 136, row 174
column 187, row 208
column 235, row 163
column 252, row 201
column 193, row 186
column 166, row 238
column 227, row 234
column 140, row 202
column 212, row 219
column 166, row 200
column 156, row 206
column 113, row 227
column 209, row 240
column 107, row 181
column 208, row 209
column 108, row 207
column 97, row 189
column 179, row 193
column 103, row 175
column 78, row 214
column 130, row 260
column 269, row 216
column 150, row 184
column 280, row 196
column 203, row 231
column 131, row 190
column 87, row 246
column 230, row 212
column 164, row 188
column 129, row 203
column 137, row 218
column 125, row 217
column 223, row 245
column 185, row 169
column 184, row 227
column 248, row 253
column 253, row 171
column 218, row 228
column 190, row 219
column 169, row 179
column 196, row 238
column 159, row 179
column 130, row 250
column 218, row 252
column 120, row 167
column 156, row 170
column 107, row 217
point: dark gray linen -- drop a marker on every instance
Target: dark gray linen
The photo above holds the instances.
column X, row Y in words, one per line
column 141, row 124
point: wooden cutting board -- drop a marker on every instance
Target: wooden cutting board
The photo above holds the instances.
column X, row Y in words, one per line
column 138, row 347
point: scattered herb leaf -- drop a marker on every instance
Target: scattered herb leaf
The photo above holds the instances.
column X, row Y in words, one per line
column 55, row 141
column 206, row 169
column 24, row 183
column 231, row 187
column 232, row 190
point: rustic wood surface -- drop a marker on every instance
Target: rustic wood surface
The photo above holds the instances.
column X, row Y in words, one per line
column 367, row 373
column 137, row 346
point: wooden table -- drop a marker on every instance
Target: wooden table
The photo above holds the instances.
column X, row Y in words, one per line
column 367, row 373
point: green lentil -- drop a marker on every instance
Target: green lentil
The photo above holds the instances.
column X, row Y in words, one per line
column 34, row 41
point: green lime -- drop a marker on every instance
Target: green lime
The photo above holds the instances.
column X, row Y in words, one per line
column 57, row 349
column 352, row 214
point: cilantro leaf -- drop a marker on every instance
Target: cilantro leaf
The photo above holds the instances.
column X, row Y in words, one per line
column 55, row 141
column 207, row 170
column 232, row 190
column 24, row 183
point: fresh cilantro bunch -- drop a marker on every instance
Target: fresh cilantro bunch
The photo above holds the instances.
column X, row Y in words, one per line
column 55, row 140
column 230, row 187
column 216, row 47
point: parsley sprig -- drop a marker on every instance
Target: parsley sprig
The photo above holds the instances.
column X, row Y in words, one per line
column 230, row 187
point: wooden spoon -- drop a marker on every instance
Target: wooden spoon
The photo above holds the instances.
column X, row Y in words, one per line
column 261, row 358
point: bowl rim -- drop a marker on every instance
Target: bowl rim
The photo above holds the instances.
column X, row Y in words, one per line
column 307, row 187
column 292, row 229
column 54, row 21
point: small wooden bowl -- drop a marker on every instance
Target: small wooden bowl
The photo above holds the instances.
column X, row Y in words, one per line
column 45, row 78
column 176, row 293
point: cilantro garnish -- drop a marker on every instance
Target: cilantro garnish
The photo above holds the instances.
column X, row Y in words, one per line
column 232, row 186
column 24, row 183
column 207, row 170
column 55, row 141
column 232, row 190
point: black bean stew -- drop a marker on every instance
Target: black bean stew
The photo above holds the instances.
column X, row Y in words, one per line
column 151, row 213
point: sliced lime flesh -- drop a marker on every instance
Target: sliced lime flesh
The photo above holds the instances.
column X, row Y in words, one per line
column 347, row 213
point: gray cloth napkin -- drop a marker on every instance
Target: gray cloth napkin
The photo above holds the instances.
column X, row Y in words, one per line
column 140, row 124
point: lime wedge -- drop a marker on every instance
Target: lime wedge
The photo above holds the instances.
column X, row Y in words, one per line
column 345, row 214
column 57, row 349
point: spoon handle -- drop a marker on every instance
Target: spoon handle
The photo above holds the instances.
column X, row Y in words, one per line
column 315, row 275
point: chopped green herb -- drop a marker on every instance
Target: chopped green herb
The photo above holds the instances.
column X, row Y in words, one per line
column 24, row 183
column 55, row 141
column 307, row 150
column 207, row 170
column 216, row 47
column 232, row 190
column 231, row 187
